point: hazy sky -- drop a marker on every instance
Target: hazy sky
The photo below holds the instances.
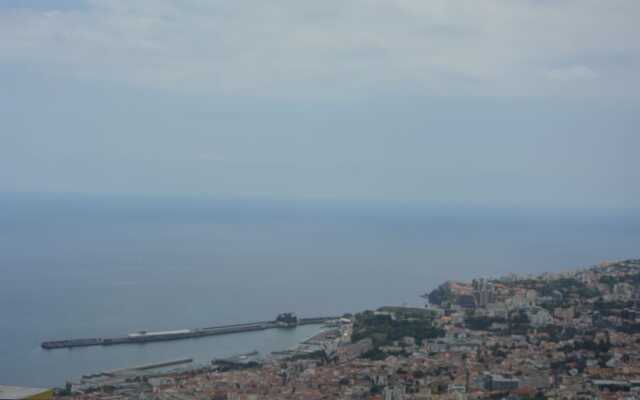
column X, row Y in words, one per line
column 500, row 102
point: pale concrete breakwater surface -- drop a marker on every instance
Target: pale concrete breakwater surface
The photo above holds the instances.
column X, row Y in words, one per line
column 285, row 320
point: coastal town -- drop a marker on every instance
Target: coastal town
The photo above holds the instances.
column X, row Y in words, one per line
column 564, row 335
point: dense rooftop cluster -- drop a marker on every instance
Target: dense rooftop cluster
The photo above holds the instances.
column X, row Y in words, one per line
column 569, row 335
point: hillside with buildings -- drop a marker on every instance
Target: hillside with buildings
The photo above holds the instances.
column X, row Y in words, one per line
column 567, row 335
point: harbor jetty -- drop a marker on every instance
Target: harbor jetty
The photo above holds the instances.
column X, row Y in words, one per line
column 284, row 320
column 132, row 370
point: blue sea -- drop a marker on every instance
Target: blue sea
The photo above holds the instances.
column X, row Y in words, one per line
column 86, row 266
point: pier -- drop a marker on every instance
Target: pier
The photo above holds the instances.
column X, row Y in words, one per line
column 124, row 371
column 286, row 320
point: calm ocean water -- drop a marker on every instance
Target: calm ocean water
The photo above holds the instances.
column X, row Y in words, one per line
column 88, row 266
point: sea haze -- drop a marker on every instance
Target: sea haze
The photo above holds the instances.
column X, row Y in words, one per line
column 76, row 266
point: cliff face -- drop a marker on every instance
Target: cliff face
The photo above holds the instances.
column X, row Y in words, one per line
column 459, row 293
column 441, row 294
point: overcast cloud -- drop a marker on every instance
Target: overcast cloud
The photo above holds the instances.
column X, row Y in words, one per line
column 332, row 47
column 489, row 101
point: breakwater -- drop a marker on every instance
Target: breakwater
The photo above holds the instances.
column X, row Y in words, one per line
column 121, row 371
column 145, row 337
